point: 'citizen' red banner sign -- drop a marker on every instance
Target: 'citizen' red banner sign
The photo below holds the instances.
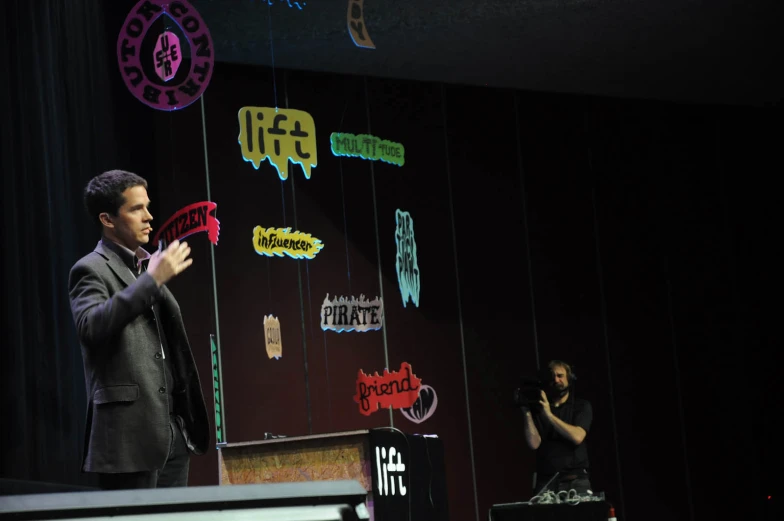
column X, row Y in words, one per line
column 191, row 219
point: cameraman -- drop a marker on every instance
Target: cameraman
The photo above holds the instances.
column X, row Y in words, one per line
column 556, row 430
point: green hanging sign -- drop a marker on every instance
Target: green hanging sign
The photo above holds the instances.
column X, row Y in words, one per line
column 220, row 425
column 367, row 147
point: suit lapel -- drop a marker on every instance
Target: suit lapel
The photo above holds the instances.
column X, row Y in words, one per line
column 116, row 264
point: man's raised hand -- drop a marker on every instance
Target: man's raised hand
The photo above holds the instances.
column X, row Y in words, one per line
column 167, row 264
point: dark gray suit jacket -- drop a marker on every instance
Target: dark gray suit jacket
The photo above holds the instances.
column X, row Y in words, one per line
column 127, row 427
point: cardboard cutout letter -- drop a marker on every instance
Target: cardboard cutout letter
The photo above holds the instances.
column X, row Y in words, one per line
column 272, row 338
column 196, row 217
column 356, row 25
column 406, row 263
column 280, row 136
column 280, row 241
column 397, row 389
column 342, row 314
column 220, row 429
column 180, row 89
column 367, row 147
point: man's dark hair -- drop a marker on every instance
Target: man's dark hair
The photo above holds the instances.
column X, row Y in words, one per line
column 104, row 192
column 567, row 367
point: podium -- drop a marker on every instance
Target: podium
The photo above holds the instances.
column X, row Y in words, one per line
column 403, row 474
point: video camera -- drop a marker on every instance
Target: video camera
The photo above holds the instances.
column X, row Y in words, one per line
column 529, row 393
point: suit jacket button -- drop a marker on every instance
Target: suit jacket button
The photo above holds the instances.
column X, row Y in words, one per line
column 158, row 356
column 162, row 390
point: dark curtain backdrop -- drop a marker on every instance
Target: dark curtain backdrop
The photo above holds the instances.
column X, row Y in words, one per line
column 57, row 132
column 652, row 240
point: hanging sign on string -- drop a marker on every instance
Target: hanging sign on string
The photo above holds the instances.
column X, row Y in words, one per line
column 165, row 54
column 280, row 136
column 196, row 217
column 406, row 263
column 398, row 389
column 220, row 429
column 272, row 339
column 282, row 241
column 356, row 25
column 369, row 147
column 352, row 314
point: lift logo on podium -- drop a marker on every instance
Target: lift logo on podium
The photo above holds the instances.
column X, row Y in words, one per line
column 389, row 465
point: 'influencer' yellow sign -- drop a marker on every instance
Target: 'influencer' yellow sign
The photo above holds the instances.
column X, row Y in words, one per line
column 280, row 241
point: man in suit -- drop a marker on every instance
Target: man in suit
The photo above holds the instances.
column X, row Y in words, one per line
column 145, row 408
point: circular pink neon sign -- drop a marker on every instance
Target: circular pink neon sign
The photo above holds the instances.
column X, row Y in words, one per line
column 165, row 58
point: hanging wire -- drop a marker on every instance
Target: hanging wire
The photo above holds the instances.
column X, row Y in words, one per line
column 272, row 55
column 283, row 199
column 282, row 194
column 348, row 262
column 329, row 387
column 312, row 335
column 166, row 26
column 343, row 199
column 459, row 299
column 269, row 282
column 525, row 227
column 310, row 294
column 283, row 211
column 299, row 281
column 345, row 223
column 378, row 246
column 678, row 389
column 605, row 326
column 214, row 275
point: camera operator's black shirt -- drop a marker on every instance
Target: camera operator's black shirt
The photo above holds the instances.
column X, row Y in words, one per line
column 556, row 453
